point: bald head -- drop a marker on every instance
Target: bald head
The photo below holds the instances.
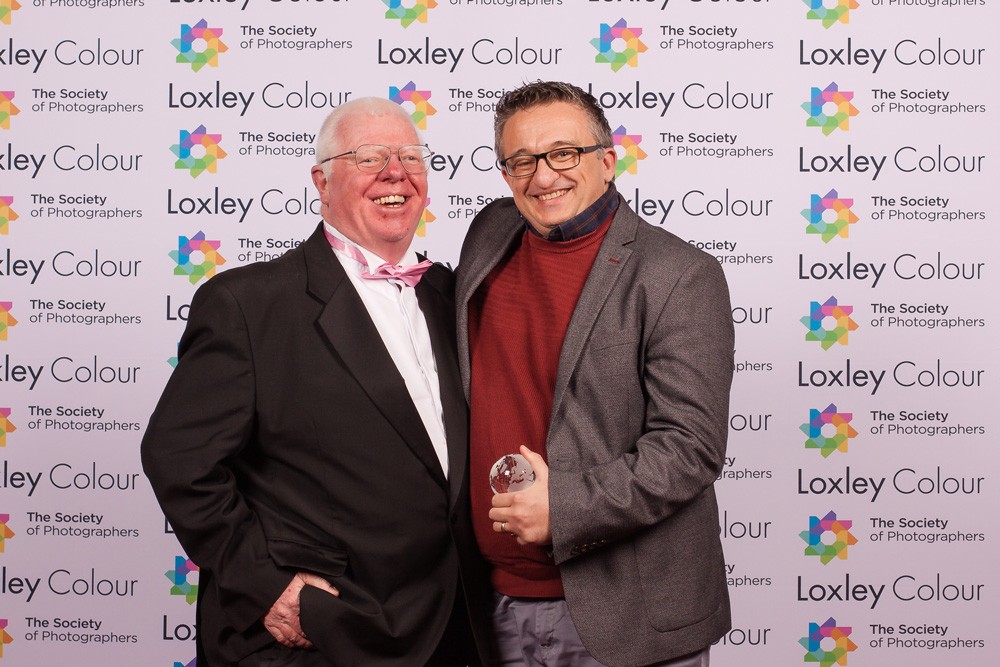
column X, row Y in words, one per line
column 362, row 110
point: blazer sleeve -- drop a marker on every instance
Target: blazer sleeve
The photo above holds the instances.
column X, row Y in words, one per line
column 686, row 369
column 203, row 419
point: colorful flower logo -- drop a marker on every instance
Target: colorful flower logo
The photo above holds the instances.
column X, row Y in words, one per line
column 6, row 426
column 630, row 155
column 816, row 215
column 178, row 579
column 7, row 108
column 7, row 214
column 418, row 98
column 5, row 532
column 829, row 323
column 842, row 538
column 425, row 219
column 828, row 16
column 4, row 637
column 6, row 319
column 621, row 36
column 186, row 266
column 198, row 151
column 7, row 9
column 838, row 427
column 407, row 15
column 841, row 636
column 193, row 663
column 816, row 107
column 199, row 45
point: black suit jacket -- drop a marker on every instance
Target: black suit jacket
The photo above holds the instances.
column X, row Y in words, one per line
column 286, row 441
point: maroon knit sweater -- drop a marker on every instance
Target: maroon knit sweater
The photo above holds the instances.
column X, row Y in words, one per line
column 517, row 321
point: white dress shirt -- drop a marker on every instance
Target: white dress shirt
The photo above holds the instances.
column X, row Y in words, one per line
column 393, row 308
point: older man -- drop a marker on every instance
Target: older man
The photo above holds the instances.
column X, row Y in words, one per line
column 601, row 347
column 310, row 447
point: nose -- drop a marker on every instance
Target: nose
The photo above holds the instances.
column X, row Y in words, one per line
column 393, row 170
column 544, row 174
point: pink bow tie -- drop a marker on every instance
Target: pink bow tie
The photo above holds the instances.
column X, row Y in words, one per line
column 409, row 275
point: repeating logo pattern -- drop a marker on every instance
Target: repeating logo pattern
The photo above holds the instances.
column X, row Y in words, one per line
column 829, row 16
column 5, row 532
column 7, row 214
column 178, row 579
column 839, row 528
column 841, row 635
column 823, row 313
column 186, row 249
column 839, row 119
column 198, row 151
column 7, row 9
column 422, row 108
column 829, row 417
column 407, row 15
column 628, row 160
column 193, row 663
column 6, row 319
column 815, row 215
column 605, row 45
column 425, row 219
column 6, row 426
column 7, row 108
column 193, row 37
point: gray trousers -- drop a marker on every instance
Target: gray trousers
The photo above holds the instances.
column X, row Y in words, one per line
column 540, row 633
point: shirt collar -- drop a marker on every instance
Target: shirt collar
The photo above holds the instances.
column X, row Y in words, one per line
column 374, row 261
column 586, row 221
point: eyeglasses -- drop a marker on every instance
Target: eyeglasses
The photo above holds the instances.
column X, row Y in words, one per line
column 559, row 159
column 372, row 158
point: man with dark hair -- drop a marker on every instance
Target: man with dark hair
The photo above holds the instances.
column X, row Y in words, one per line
column 310, row 448
column 600, row 347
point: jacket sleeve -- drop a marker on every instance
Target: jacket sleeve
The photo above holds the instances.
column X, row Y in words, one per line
column 685, row 373
column 203, row 420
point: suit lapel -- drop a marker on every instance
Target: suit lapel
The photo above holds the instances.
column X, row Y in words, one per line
column 611, row 258
column 435, row 296
column 355, row 339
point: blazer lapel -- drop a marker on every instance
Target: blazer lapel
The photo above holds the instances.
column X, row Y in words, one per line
column 611, row 259
column 355, row 339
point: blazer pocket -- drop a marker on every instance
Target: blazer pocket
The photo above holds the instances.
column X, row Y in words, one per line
column 307, row 557
column 608, row 338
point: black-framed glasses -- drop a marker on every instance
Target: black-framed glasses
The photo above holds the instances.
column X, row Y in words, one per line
column 372, row 158
column 558, row 159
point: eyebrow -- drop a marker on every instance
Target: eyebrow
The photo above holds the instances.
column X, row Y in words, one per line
column 554, row 145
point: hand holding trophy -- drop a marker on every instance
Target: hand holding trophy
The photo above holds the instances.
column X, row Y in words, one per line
column 510, row 473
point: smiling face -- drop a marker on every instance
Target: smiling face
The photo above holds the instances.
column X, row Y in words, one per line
column 549, row 198
column 379, row 212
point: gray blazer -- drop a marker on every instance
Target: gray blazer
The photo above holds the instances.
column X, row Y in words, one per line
column 637, row 436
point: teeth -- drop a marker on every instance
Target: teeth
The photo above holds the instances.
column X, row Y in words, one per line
column 390, row 199
column 552, row 195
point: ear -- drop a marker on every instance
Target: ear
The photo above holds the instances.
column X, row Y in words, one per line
column 319, row 180
column 608, row 161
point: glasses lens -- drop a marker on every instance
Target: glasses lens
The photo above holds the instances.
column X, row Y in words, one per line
column 371, row 157
column 520, row 165
column 563, row 158
column 414, row 158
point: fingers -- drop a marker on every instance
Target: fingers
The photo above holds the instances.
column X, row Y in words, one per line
column 282, row 620
column 317, row 582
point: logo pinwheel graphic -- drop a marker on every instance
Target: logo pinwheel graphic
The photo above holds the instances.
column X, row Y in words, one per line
column 816, row 107
column 179, row 579
column 7, row 9
column 199, row 45
column 841, row 13
column 820, row 319
column 842, row 644
column 5, row 532
column 187, row 265
column 425, row 219
column 816, row 214
column 7, row 214
column 829, row 419
column 842, row 537
column 7, row 108
column 418, row 98
column 6, row 426
column 198, row 151
column 6, row 319
column 631, row 153
column 407, row 15
column 614, row 35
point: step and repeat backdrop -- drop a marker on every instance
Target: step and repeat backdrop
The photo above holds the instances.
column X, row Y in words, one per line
column 838, row 157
